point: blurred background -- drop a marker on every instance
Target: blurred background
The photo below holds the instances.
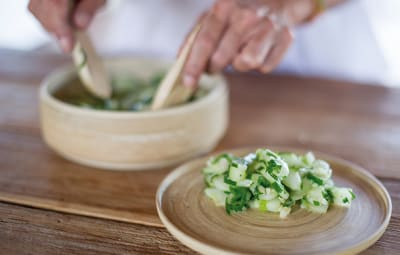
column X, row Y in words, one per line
column 357, row 41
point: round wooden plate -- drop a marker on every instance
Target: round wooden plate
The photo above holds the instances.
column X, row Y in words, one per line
column 194, row 220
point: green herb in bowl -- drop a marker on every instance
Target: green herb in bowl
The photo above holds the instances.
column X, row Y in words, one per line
column 129, row 93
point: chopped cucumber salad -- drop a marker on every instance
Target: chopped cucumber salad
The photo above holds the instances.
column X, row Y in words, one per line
column 273, row 182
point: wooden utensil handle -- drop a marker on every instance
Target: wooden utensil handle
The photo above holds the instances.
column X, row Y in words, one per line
column 172, row 81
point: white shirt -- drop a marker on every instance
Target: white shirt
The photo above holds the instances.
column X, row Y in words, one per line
column 358, row 40
column 344, row 43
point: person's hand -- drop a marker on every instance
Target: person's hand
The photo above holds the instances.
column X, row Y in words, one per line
column 247, row 34
column 57, row 18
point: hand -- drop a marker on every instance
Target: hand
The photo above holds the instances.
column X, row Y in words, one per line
column 248, row 34
column 57, row 18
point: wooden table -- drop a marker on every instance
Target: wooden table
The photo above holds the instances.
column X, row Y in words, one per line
column 358, row 123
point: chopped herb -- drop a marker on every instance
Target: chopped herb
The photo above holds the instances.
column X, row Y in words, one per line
column 289, row 202
column 345, row 200
column 260, row 168
column 316, row 203
column 353, row 196
column 272, row 167
column 237, row 200
column 277, row 187
column 327, row 194
column 228, row 181
column 315, row 179
column 263, row 181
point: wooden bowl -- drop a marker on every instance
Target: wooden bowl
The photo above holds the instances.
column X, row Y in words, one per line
column 133, row 140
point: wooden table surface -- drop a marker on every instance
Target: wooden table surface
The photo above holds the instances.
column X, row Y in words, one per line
column 358, row 123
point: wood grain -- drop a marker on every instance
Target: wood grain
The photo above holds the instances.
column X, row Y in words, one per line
column 358, row 123
column 32, row 231
column 195, row 220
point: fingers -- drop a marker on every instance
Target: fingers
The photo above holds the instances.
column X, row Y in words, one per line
column 256, row 50
column 249, row 36
column 53, row 15
column 241, row 22
column 206, row 41
column 85, row 11
column 278, row 51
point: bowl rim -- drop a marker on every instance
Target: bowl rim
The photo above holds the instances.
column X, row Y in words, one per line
column 65, row 71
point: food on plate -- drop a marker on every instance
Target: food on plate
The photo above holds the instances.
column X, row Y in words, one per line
column 129, row 93
column 273, row 182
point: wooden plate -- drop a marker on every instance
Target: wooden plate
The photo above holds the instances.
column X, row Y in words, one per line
column 194, row 220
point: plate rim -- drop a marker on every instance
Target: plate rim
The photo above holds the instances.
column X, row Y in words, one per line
column 205, row 248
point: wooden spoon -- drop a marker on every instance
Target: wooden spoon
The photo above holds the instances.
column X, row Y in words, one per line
column 171, row 90
column 91, row 69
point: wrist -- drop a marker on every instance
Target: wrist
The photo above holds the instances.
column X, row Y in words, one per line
column 302, row 11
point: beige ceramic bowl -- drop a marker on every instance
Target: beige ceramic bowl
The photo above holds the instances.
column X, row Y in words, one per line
column 133, row 140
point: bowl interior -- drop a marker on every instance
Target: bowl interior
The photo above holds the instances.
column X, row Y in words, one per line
column 65, row 82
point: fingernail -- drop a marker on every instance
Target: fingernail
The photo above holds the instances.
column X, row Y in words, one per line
column 188, row 81
column 82, row 20
column 65, row 44
column 266, row 69
column 247, row 59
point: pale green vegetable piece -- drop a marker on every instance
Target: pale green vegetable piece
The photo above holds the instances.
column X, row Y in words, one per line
column 273, row 205
column 220, row 184
column 268, row 194
column 342, row 196
column 293, row 180
column 217, row 165
column 284, row 212
column 245, row 183
column 237, row 172
column 216, row 195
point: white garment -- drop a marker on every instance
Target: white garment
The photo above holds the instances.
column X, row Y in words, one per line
column 153, row 27
column 342, row 44
column 347, row 43
column 358, row 40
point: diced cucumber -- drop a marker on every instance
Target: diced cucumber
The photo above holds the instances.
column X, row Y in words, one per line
column 273, row 182
column 293, row 180
column 219, row 183
column 216, row 195
column 269, row 194
column 237, row 172
column 284, row 212
column 217, row 166
column 342, row 196
column 273, row 205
